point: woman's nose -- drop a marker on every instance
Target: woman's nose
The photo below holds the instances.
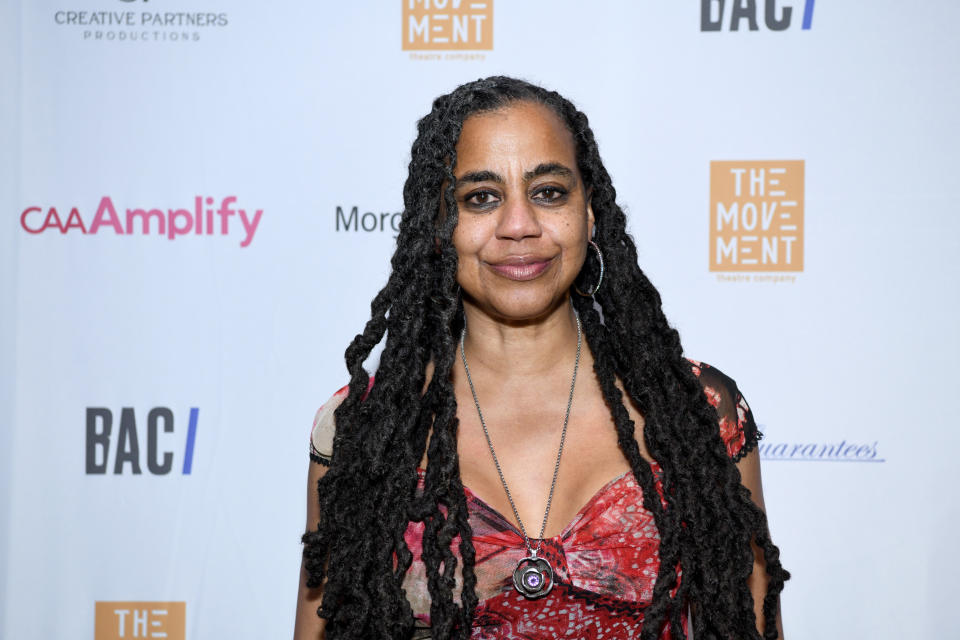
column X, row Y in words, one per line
column 518, row 220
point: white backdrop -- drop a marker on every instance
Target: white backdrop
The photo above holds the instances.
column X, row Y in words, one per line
column 295, row 109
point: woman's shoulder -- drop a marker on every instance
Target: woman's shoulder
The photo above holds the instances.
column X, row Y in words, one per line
column 325, row 427
column 738, row 429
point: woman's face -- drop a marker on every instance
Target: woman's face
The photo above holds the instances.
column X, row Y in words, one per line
column 524, row 215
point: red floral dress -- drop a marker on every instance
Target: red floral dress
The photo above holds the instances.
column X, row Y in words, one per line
column 605, row 561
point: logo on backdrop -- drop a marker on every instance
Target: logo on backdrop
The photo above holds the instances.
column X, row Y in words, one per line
column 204, row 218
column 367, row 221
column 717, row 15
column 756, row 219
column 124, row 25
column 125, row 620
column 447, row 25
column 132, row 445
column 842, row 451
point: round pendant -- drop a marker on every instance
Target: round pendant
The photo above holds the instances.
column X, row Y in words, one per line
column 533, row 577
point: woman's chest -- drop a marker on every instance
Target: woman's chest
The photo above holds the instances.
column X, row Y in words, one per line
column 608, row 550
column 530, row 454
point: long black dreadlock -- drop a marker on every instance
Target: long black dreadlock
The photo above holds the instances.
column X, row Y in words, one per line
column 368, row 496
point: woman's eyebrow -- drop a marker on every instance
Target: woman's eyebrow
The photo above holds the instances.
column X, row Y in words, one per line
column 481, row 176
column 546, row 168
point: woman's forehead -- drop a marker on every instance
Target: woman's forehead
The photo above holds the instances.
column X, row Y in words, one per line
column 521, row 135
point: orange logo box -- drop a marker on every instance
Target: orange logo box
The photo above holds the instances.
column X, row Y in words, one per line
column 430, row 25
column 125, row 620
column 756, row 215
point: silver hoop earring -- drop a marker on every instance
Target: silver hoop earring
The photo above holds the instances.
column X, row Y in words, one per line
column 600, row 280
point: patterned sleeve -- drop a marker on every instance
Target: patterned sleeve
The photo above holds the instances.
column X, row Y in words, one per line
column 324, row 427
column 738, row 430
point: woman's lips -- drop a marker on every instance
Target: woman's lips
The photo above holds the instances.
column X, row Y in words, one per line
column 521, row 269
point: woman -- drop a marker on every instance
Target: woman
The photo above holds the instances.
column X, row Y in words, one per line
column 535, row 457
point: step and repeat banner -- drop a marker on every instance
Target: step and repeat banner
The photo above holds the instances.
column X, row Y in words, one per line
column 201, row 198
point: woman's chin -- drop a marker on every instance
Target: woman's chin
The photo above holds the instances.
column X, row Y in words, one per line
column 523, row 308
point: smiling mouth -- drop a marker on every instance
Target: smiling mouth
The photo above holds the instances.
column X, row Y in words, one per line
column 521, row 270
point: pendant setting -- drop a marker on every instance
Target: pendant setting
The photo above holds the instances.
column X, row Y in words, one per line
column 533, row 577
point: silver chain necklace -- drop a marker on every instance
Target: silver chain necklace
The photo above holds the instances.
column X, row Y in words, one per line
column 533, row 576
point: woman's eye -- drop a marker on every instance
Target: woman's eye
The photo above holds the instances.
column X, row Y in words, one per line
column 550, row 194
column 481, row 198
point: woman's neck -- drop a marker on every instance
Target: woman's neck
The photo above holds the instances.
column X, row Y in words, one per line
column 519, row 350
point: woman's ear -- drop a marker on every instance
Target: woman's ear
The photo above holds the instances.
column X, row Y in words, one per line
column 591, row 221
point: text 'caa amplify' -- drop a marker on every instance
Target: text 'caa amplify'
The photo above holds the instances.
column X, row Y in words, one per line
column 199, row 220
